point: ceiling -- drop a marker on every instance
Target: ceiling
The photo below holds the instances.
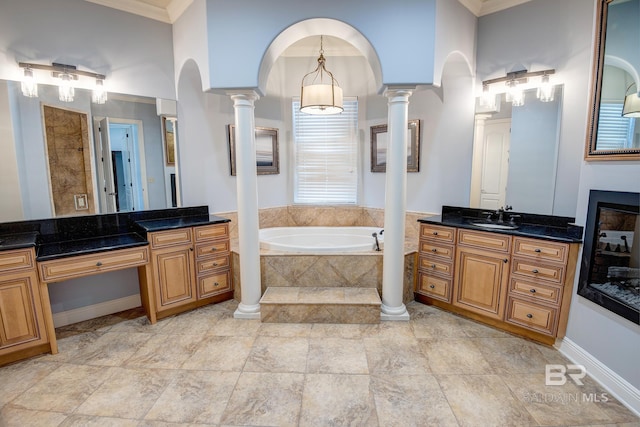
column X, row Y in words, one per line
column 170, row 10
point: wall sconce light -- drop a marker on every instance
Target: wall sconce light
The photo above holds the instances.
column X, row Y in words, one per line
column 66, row 75
column 518, row 81
column 488, row 98
column 631, row 107
column 320, row 93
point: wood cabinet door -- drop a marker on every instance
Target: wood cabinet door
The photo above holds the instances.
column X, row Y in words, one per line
column 481, row 281
column 175, row 276
column 21, row 318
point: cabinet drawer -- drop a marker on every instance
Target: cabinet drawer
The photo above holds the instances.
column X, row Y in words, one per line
column 434, row 250
column 85, row 265
column 434, row 266
column 434, row 287
column 16, row 260
column 484, row 240
column 532, row 316
column 212, row 264
column 540, row 292
column 204, row 250
column 214, row 284
column 209, row 232
column 161, row 239
column 535, row 270
column 541, row 249
column 437, row 232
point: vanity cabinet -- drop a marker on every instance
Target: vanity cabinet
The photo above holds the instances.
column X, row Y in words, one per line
column 190, row 267
column 22, row 325
column 435, row 262
column 519, row 284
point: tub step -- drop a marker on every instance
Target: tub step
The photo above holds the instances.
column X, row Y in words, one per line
column 320, row 305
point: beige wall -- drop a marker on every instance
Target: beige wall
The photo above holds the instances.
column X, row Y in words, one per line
column 11, row 201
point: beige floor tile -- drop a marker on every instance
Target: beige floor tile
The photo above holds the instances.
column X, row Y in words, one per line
column 410, row 400
column 454, row 356
column 17, row 378
column 195, row 322
column 165, row 351
column 616, row 411
column 294, row 330
column 112, row 349
column 438, row 324
column 77, row 420
column 70, row 347
column 400, row 357
column 231, row 327
column 337, row 355
column 195, row 397
column 16, row 417
column 512, row 355
column 265, row 399
column 63, row 390
column 338, row 400
column 127, row 393
column 140, row 324
column 273, row 354
column 220, row 354
column 554, row 404
column 483, row 400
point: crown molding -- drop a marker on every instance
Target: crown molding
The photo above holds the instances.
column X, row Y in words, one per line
column 485, row 7
column 176, row 8
column 168, row 15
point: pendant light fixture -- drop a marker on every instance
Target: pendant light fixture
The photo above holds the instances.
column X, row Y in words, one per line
column 631, row 106
column 320, row 93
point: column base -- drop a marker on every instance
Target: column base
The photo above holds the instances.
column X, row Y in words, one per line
column 247, row 311
column 394, row 313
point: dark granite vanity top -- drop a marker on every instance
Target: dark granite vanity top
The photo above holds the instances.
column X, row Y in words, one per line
column 69, row 236
column 546, row 227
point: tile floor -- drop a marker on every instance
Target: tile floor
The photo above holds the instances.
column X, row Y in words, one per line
column 207, row 368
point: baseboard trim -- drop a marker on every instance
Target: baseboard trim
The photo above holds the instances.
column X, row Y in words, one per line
column 620, row 388
column 76, row 315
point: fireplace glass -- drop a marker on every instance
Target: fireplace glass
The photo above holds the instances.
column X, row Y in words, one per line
column 610, row 270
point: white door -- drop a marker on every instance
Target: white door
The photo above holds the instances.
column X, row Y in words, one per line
column 495, row 164
column 107, row 191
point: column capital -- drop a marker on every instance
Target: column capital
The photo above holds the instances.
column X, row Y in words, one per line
column 392, row 91
column 247, row 95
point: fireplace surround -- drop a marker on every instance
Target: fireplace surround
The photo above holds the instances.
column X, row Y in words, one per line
column 610, row 268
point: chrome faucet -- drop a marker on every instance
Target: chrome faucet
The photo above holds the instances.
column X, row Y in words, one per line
column 500, row 212
column 375, row 236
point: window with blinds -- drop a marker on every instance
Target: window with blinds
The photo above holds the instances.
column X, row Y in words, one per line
column 614, row 131
column 326, row 156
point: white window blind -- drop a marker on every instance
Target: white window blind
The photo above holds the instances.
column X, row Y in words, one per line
column 326, row 156
column 614, row 131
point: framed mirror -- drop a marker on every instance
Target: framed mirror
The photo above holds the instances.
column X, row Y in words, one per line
column 613, row 131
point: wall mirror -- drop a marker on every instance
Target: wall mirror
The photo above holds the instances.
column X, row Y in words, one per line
column 614, row 123
column 515, row 155
column 121, row 151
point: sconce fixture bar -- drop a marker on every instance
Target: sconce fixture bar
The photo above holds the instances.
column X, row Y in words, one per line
column 57, row 69
column 520, row 76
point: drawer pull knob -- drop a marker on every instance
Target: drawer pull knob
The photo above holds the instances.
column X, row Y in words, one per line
column 537, row 250
column 215, row 264
column 533, row 291
column 433, row 266
column 506, row 260
column 535, row 270
column 435, row 233
column 98, row 264
column 434, row 250
column 191, row 249
column 213, row 249
column 530, row 316
column 432, row 286
column 216, row 284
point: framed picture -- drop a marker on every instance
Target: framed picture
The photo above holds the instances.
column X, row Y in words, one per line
column 168, row 128
column 379, row 144
column 267, row 155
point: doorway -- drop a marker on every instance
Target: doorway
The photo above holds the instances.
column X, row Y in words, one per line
column 121, row 165
column 491, row 165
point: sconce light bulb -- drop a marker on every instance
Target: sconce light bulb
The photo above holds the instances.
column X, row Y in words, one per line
column 488, row 98
column 66, row 91
column 29, row 84
column 99, row 95
column 546, row 90
column 515, row 94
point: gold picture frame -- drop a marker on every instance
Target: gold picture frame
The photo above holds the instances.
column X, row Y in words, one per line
column 267, row 151
column 379, row 147
column 169, row 131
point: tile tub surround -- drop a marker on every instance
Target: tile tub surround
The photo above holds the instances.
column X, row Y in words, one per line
column 229, row 371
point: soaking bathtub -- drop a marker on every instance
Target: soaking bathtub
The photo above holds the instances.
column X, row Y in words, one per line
column 321, row 239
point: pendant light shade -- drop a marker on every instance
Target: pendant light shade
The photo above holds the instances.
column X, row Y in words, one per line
column 631, row 107
column 320, row 93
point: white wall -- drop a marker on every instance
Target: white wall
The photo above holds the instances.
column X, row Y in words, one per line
column 10, row 188
column 559, row 35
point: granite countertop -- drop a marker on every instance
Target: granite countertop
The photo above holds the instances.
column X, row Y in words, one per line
column 179, row 222
column 18, row 240
column 560, row 229
column 55, row 250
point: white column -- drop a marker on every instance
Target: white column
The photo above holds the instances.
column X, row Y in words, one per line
column 395, row 206
column 247, row 193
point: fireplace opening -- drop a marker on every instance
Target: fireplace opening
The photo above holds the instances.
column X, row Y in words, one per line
column 610, row 269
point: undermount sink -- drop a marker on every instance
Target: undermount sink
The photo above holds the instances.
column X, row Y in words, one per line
column 495, row 226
